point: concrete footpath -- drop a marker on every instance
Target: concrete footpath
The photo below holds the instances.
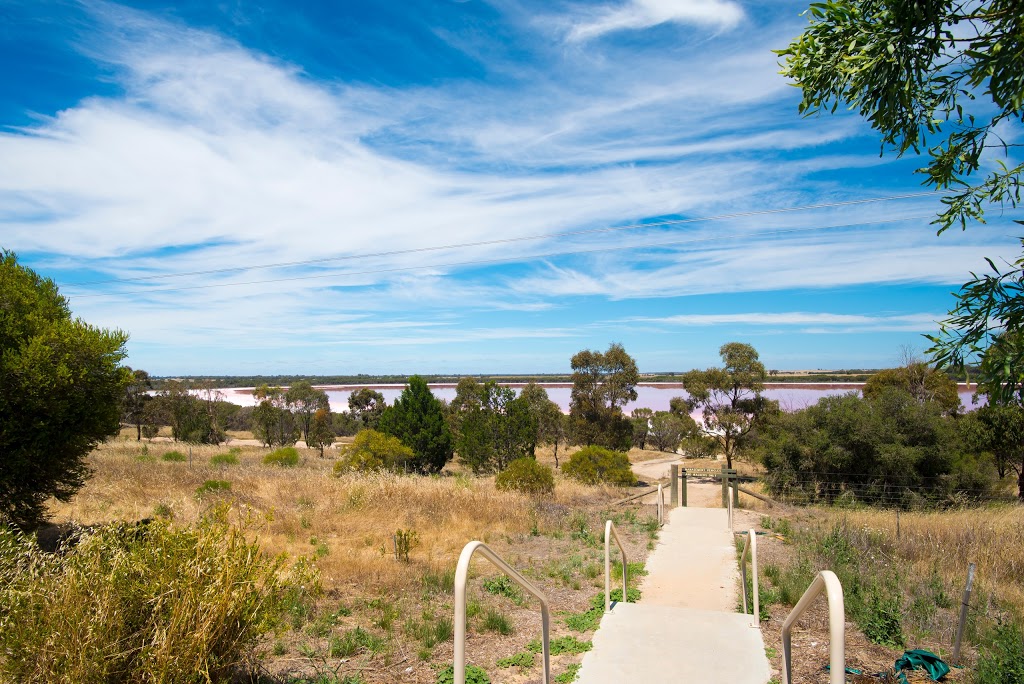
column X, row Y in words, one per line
column 685, row 627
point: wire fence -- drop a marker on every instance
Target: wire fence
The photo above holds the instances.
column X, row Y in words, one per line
column 910, row 492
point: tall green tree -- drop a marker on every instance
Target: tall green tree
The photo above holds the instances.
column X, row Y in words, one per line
column 273, row 422
column 495, row 431
column 417, row 419
column 548, row 416
column 61, row 388
column 602, row 384
column 136, row 399
column 730, row 397
column 366, row 406
column 943, row 78
column 304, row 401
column 1002, row 435
column 321, row 432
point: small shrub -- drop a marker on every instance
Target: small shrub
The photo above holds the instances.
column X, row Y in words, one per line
column 569, row 675
column 526, row 475
column 228, row 459
column 287, row 457
column 562, row 645
column 405, row 541
column 496, row 621
column 474, row 675
column 138, row 604
column 523, row 659
column 501, row 585
column 1002, row 660
column 597, row 465
column 212, row 487
column 880, row 619
column 162, row 510
column 174, row 457
column 372, row 450
column 354, row 641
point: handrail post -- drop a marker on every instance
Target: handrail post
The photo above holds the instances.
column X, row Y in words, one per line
column 750, row 544
column 730, row 508
column 828, row 582
column 661, row 506
column 673, row 486
column 609, row 533
column 461, row 577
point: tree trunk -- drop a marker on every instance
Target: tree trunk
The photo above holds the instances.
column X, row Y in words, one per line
column 138, row 428
column 1020, row 483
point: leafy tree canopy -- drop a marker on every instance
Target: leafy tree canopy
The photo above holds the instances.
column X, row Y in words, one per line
column 61, row 391
column 366, row 406
column 920, row 381
column 944, row 78
column 602, row 384
column 730, row 396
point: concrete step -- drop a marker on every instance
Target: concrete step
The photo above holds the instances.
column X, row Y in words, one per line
column 694, row 563
column 637, row 642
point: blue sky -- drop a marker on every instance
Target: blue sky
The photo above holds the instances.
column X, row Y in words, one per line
column 480, row 187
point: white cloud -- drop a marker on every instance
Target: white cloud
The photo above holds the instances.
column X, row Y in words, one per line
column 641, row 14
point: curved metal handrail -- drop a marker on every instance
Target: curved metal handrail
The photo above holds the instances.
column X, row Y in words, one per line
column 828, row 582
column 750, row 544
column 610, row 532
column 461, row 576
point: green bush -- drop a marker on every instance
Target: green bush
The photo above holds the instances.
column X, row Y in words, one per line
column 212, row 486
column 526, row 475
column 597, row 465
column 174, row 456
column 523, row 659
column 474, row 675
column 502, row 585
column 1002, row 661
column 372, row 450
column 285, row 456
column 134, row 603
column 229, row 458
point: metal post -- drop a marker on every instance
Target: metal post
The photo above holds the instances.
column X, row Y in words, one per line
column 963, row 614
column 673, row 488
column 682, row 489
column 735, row 489
column 730, row 509
column 725, row 487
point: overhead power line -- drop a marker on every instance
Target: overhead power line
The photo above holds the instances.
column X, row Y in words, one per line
column 499, row 260
column 501, row 241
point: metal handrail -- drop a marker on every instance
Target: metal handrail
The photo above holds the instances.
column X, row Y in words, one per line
column 828, row 582
column 750, row 544
column 461, row 575
column 661, row 506
column 609, row 532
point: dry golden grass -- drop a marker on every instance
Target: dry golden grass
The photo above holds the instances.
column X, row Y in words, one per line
column 945, row 542
column 347, row 522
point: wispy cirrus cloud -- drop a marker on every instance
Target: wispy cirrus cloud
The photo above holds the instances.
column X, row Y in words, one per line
column 641, row 14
